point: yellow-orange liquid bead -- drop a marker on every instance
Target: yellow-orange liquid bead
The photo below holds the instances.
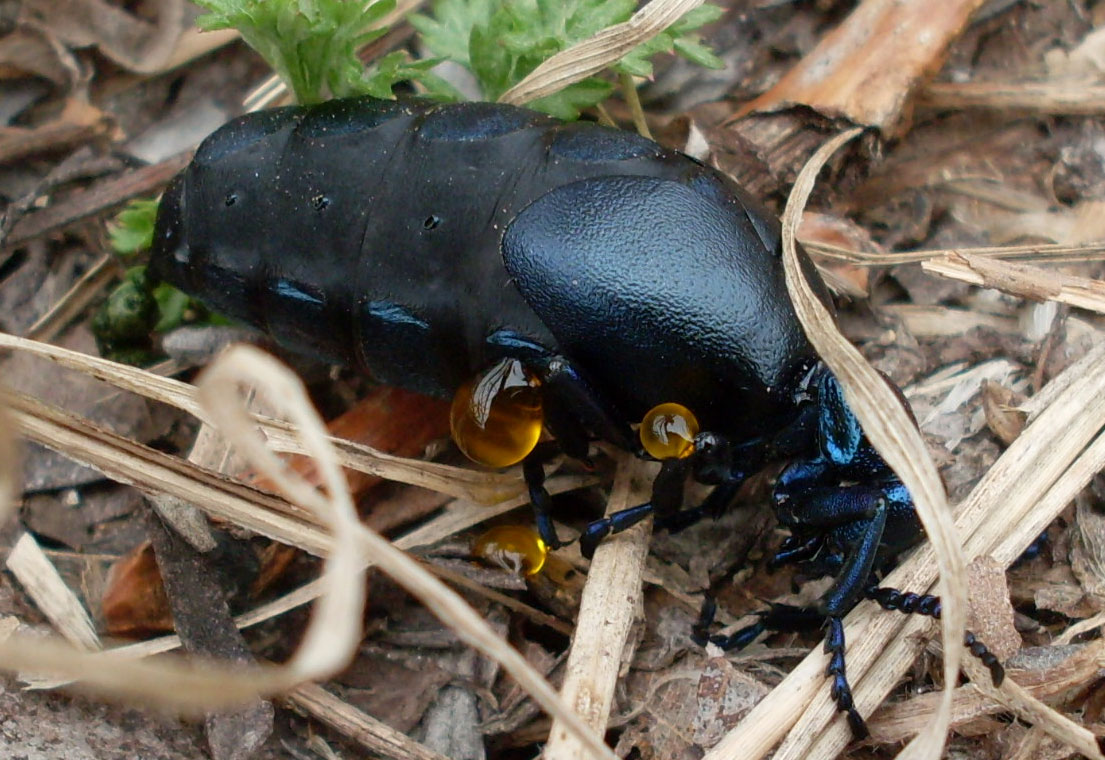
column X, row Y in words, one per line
column 668, row 431
column 496, row 418
column 515, row 547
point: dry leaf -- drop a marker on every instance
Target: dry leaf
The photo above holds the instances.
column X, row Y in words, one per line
column 127, row 39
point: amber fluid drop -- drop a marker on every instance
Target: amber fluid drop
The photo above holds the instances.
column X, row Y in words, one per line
column 515, row 547
column 496, row 417
column 668, row 431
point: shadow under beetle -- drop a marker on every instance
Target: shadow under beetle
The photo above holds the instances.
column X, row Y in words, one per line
column 565, row 277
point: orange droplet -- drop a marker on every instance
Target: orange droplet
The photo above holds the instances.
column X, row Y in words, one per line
column 496, row 418
column 668, row 431
column 516, row 547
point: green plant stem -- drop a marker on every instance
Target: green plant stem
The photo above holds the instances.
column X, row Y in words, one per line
column 604, row 116
column 629, row 92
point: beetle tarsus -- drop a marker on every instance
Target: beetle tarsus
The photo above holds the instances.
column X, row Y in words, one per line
column 906, row 602
column 929, row 606
column 837, row 671
column 616, row 522
column 988, row 658
column 533, row 470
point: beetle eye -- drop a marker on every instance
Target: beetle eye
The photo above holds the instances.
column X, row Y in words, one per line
column 514, row 547
column 496, row 417
column 668, row 431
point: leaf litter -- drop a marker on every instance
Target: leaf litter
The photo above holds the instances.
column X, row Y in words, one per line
column 997, row 158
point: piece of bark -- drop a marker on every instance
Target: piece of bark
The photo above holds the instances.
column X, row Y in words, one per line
column 197, row 596
column 867, row 69
column 452, row 721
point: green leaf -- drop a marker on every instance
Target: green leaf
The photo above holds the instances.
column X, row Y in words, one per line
column 446, row 33
column 574, row 98
column 129, row 311
column 700, row 16
column 132, row 230
column 173, row 307
column 502, row 42
column 313, row 44
column 696, row 52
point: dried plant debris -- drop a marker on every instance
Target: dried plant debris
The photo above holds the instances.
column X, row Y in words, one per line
column 963, row 239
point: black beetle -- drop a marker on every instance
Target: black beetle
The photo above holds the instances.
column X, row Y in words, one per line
column 565, row 276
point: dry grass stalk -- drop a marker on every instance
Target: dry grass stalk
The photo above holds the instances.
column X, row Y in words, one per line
column 208, row 450
column 74, row 301
column 161, row 475
column 463, row 515
column 460, row 482
column 1028, row 747
column 591, row 56
column 1051, row 253
column 900, row 721
column 1079, row 628
column 375, row 736
column 10, row 482
column 153, row 472
column 610, row 605
column 44, row 585
column 942, row 321
column 1030, row 282
column 1066, row 97
column 329, row 649
column 330, row 639
column 1018, row 700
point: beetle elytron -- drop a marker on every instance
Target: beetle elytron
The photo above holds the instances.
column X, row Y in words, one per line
column 563, row 276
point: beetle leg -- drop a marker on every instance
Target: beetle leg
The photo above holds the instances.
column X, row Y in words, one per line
column 570, row 438
column 533, row 470
column 846, row 590
column 988, row 658
column 825, row 507
column 928, row 605
column 713, row 506
column 778, row 617
column 563, row 387
column 795, row 550
column 667, row 496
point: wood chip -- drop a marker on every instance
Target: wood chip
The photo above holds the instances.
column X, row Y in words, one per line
column 611, row 603
column 42, row 582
